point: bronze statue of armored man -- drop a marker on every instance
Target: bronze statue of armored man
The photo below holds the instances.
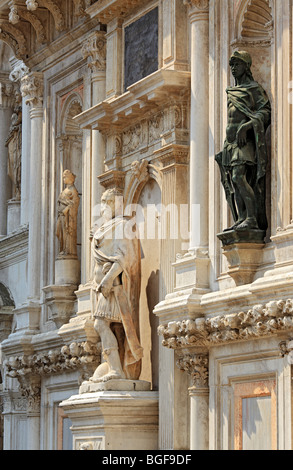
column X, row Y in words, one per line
column 243, row 159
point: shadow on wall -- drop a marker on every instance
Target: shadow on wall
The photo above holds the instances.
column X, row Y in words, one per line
column 152, row 295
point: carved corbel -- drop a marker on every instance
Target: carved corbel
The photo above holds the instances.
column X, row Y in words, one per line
column 31, row 5
column 13, row 13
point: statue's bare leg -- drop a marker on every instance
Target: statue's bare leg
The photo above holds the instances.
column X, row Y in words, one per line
column 246, row 193
column 112, row 369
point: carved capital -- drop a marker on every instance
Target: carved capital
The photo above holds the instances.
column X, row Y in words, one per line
column 32, row 89
column 197, row 366
column 198, row 8
column 30, row 388
column 94, row 50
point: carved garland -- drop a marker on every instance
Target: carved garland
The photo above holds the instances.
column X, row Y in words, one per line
column 84, row 356
column 259, row 321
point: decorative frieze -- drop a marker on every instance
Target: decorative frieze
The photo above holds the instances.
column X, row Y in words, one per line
column 82, row 356
column 257, row 322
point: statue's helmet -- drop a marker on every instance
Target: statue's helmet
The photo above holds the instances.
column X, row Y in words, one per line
column 242, row 55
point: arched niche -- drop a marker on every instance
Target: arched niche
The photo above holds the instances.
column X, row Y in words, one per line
column 254, row 33
column 143, row 196
column 69, row 149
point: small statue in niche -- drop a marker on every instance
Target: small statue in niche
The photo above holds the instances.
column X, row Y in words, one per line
column 13, row 143
column 117, row 279
column 68, row 203
column 243, row 159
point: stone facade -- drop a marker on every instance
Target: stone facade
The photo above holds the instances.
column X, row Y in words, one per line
column 130, row 94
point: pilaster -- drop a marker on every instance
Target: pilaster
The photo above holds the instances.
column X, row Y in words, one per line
column 94, row 50
column 196, row 364
column 32, row 90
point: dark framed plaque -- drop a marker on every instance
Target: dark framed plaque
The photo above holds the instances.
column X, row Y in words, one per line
column 141, row 48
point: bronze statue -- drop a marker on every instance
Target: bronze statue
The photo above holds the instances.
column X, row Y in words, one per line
column 68, row 203
column 243, row 159
column 117, row 278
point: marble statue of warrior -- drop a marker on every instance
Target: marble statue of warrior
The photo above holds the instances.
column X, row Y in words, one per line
column 68, row 203
column 117, row 279
column 13, row 143
column 244, row 157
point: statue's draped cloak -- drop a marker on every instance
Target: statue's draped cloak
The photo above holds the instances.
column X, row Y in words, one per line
column 111, row 244
column 252, row 101
column 66, row 230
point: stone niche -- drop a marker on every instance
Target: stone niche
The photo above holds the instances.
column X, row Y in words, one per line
column 141, row 48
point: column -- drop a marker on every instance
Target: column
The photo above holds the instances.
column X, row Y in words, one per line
column 199, row 122
column 19, row 71
column 31, row 390
column 32, row 90
column 6, row 106
column 94, row 50
column 196, row 365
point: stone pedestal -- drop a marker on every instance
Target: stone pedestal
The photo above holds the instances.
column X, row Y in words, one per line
column 13, row 215
column 61, row 297
column 67, row 271
column 114, row 385
column 243, row 250
column 60, row 300
column 113, row 420
column 283, row 248
column 192, row 271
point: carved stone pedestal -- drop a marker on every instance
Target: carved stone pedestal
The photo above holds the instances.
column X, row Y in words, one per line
column 67, row 271
column 114, row 385
column 13, row 215
column 113, row 420
column 243, row 250
column 60, row 300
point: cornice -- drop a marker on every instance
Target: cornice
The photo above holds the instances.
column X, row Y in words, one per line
column 260, row 321
column 14, row 247
column 107, row 10
column 144, row 96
